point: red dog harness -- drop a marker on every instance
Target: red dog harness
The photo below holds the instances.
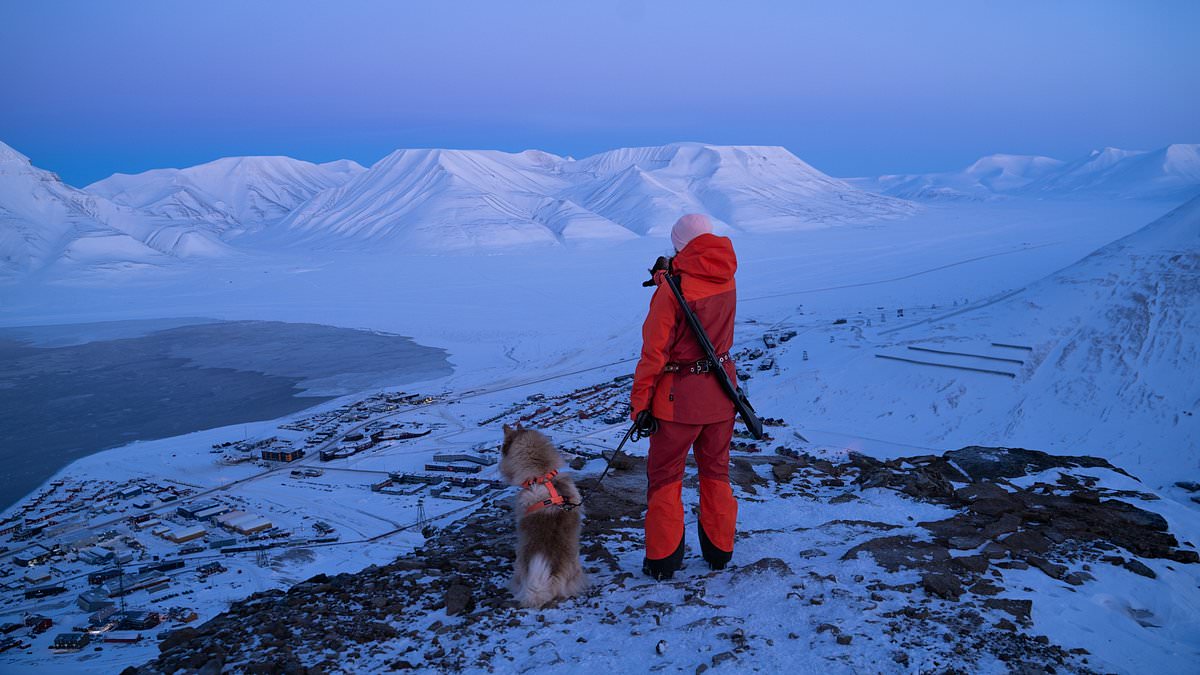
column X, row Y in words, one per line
column 554, row 499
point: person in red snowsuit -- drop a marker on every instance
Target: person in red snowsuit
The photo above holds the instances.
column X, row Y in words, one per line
column 671, row 382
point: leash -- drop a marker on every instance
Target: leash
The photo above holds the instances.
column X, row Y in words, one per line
column 636, row 432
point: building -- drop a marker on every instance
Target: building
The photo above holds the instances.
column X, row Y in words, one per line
column 103, row 616
column 36, row 554
column 130, row 492
column 135, row 620
column 186, row 534
column 134, row 582
column 222, row 542
column 36, row 576
column 190, row 510
column 99, row 577
column 454, row 468
column 71, row 641
column 96, row 555
column 456, row 457
column 282, row 454
column 212, row 511
column 93, row 601
column 243, row 523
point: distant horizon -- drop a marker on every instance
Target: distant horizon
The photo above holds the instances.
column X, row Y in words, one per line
column 855, row 89
column 369, row 163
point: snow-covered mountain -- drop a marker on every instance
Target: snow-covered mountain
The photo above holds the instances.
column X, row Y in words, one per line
column 1169, row 173
column 45, row 222
column 1119, row 329
column 462, row 199
column 985, row 178
column 234, row 193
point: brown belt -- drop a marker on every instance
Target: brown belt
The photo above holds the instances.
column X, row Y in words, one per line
column 700, row 367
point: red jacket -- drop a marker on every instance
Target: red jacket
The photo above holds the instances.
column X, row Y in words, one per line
column 706, row 267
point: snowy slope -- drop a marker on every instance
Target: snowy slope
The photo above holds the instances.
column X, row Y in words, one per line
column 985, row 178
column 460, row 199
column 1118, row 337
column 231, row 193
column 1169, row 173
column 1104, row 360
column 44, row 221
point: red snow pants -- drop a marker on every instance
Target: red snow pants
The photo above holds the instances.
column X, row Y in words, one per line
column 664, row 472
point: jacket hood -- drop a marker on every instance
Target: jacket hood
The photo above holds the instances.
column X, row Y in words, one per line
column 709, row 257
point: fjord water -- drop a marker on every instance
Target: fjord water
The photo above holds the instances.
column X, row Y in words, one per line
column 68, row 391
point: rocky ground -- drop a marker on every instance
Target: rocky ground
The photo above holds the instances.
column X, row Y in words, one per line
column 915, row 564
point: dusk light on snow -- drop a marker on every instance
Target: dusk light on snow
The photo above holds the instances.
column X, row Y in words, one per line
column 599, row 337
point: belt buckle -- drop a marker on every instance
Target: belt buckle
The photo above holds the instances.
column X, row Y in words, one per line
column 701, row 367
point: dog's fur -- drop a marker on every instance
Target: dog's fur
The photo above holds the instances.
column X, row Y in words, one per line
column 547, row 566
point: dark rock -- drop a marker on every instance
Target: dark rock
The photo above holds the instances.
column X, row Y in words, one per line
column 977, row 491
column 1078, row 578
column 1019, row 609
column 1085, row 497
column 1052, row 570
column 1005, row 624
column 577, row 463
column 783, row 471
column 992, row 507
column 966, row 543
column 774, row 565
column 1184, row 556
column 458, row 600
column 1026, row 541
column 1009, row 522
column 844, row 498
column 983, row 463
column 177, row 637
column 623, row 462
column 1138, row 567
column 213, row 666
column 951, row 528
column 844, row 639
column 972, row 563
column 722, row 657
column 942, row 585
column 1190, row 486
column 985, row 587
column 894, row 553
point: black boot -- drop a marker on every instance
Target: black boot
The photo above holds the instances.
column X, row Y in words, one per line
column 715, row 557
column 664, row 568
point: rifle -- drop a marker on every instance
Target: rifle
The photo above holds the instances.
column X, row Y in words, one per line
column 740, row 402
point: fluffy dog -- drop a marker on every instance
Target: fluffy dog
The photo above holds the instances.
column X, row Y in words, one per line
column 547, row 565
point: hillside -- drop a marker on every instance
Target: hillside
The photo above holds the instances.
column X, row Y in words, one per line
column 1168, row 173
column 45, row 222
column 433, row 200
column 234, row 193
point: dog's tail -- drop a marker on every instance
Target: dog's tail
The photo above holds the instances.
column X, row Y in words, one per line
column 541, row 586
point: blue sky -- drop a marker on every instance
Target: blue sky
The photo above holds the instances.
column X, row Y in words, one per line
column 854, row 88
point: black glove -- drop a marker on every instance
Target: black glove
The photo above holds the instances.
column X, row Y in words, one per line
column 645, row 424
column 663, row 264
